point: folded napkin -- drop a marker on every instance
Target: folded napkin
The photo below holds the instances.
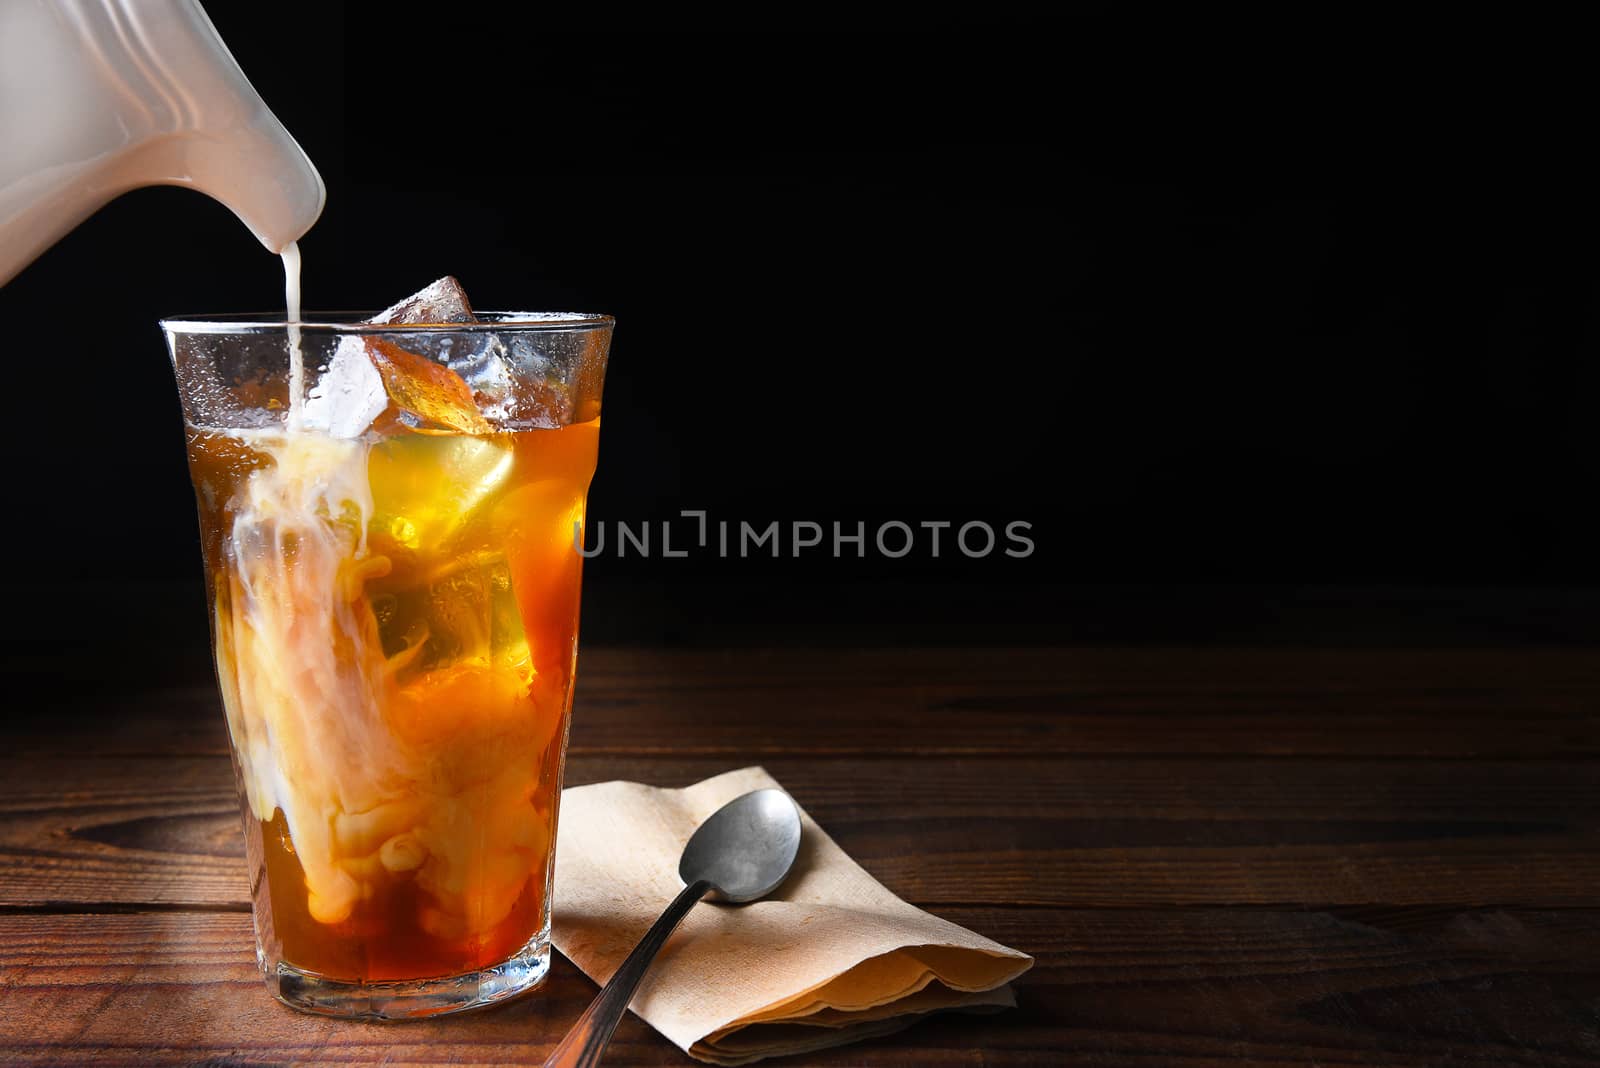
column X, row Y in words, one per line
column 829, row 958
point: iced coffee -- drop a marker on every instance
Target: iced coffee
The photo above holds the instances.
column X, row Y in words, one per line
column 394, row 583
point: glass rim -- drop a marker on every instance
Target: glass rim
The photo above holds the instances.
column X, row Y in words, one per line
column 351, row 322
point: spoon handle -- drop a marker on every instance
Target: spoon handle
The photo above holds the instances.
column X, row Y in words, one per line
column 588, row 1038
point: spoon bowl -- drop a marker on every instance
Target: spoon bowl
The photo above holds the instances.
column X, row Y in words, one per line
column 746, row 848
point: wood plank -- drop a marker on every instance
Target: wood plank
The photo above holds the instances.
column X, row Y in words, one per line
column 78, row 832
column 1112, row 987
column 746, row 704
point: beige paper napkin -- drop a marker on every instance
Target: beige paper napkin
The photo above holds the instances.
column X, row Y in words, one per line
column 830, row 958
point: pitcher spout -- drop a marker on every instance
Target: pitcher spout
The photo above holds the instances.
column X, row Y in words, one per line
column 256, row 169
column 98, row 97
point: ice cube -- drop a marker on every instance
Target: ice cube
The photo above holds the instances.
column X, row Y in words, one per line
column 516, row 386
column 443, row 301
column 349, row 395
column 424, row 396
column 374, row 381
column 427, row 491
column 484, row 367
column 458, row 608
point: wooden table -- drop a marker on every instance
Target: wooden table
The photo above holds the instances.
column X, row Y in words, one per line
column 1282, row 857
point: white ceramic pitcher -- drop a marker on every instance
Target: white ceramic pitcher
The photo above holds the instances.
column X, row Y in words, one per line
column 98, row 97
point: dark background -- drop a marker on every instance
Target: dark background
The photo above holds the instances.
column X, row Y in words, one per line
column 1272, row 332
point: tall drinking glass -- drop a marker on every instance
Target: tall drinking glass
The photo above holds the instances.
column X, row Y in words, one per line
column 393, row 577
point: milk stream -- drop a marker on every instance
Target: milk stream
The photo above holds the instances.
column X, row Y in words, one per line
column 297, row 362
column 306, row 721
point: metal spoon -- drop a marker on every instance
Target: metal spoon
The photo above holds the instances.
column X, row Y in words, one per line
column 743, row 852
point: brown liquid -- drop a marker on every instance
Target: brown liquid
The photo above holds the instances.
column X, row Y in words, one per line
column 398, row 727
column 380, row 941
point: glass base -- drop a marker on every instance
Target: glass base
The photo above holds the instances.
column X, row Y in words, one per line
column 412, row 1000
